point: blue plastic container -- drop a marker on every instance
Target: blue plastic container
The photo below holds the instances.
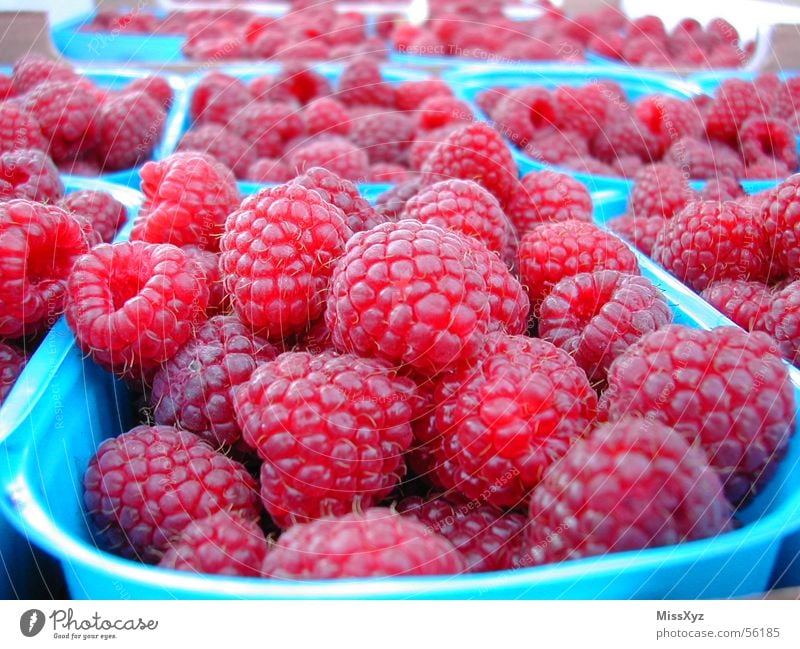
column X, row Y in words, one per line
column 44, row 450
column 708, row 81
column 23, row 572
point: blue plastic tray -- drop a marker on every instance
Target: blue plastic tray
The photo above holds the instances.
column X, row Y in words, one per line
column 43, row 455
column 468, row 82
column 20, row 568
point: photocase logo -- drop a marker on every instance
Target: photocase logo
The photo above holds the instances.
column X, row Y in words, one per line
column 31, row 622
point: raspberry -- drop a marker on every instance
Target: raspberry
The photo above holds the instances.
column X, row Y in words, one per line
column 358, row 213
column 384, row 136
column 128, row 128
column 101, row 209
column 38, row 247
column 208, row 263
column 267, row 127
column 296, row 81
column 742, row 301
column 439, row 110
column 669, row 119
column 412, row 293
column 389, row 172
column 708, row 241
column 148, row 485
column 524, row 111
column 336, row 446
column 624, row 136
column 335, row 154
column 734, row 101
column 426, row 142
column 722, row 188
column 640, row 231
column 729, row 391
column 65, row 112
column 19, row 129
column 221, row 143
column 702, row 160
column 390, row 204
column 268, row 170
column 780, row 318
column 633, row 484
column 326, row 115
column 781, row 216
column 463, row 206
column 192, row 390
column 361, row 84
column 513, row 415
column 548, row 197
column 157, row 88
column 375, row 543
column 33, row 70
column 30, row 174
column 80, row 168
column 410, row 95
column 12, row 362
column 131, row 305
column 488, row 100
column 218, row 98
column 767, row 137
column 557, row 147
column 766, row 169
column 487, row 538
column 554, row 251
column 475, row 152
column 582, row 109
column 220, row 544
column 659, row 190
column 278, row 252
column 188, row 196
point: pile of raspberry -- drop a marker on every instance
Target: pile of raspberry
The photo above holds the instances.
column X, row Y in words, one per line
column 315, row 32
column 406, row 388
column 740, row 251
column 364, row 129
column 747, row 129
column 47, row 106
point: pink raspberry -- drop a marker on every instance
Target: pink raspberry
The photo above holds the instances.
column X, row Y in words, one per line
column 409, row 95
column 326, row 115
column 335, row 154
column 742, row 301
column 101, row 209
column 385, row 137
column 12, row 362
column 659, row 190
column 767, row 137
column 19, row 129
column 641, row 231
column 548, row 197
column 218, row 98
column 221, row 143
column 267, row 127
column 29, row 174
column 362, row 84
column 129, row 127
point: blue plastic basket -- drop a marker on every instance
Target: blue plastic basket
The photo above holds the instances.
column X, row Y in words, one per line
column 43, row 455
column 20, row 567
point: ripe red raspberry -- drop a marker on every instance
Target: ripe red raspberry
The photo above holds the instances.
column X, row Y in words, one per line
column 65, row 112
column 487, row 538
column 523, row 111
column 554, row 251
column 728, row 390
column 220, row 544
column 192, row 390
column 101, row 209
column 146, row 486
column 557, row 147
column 29, row 174
column 385, row 137
column 269, row 170
column 624, row 136
column 669, row 119
column 734, row 101
column 768, row 137
column 156, row 87
column 297, row 82
column 742, row 301
column 278, row 252
column 208, row 263
column 390, row 204
column 337, row 446
column 640, row 231
column 548, row 197
column 267, row 127
column 505, row 421
column 702, row 160
column 766, row 169
column 412, row 293
column 32, row 70
column 358, row 213
column 633, row 484
column 409, row 95
column 582, row 109
column 389, row 172
column 38, row 246
column 475, row 152
column 19, row 129
column 188, row 196
column 326, row 115
column 335, row 154
column 722, row 188
column 439, row 110
column 488, row 100
column 659, row 190
column 708, row 241
column 426, row 142
column 221, row 143
column 362, row 84
column 129, row 126
column 12, row 362
column 375, row 543
column 780, row 318
column 131, row 305
column 218, row 98
column 594, row 317
column 466, row 207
